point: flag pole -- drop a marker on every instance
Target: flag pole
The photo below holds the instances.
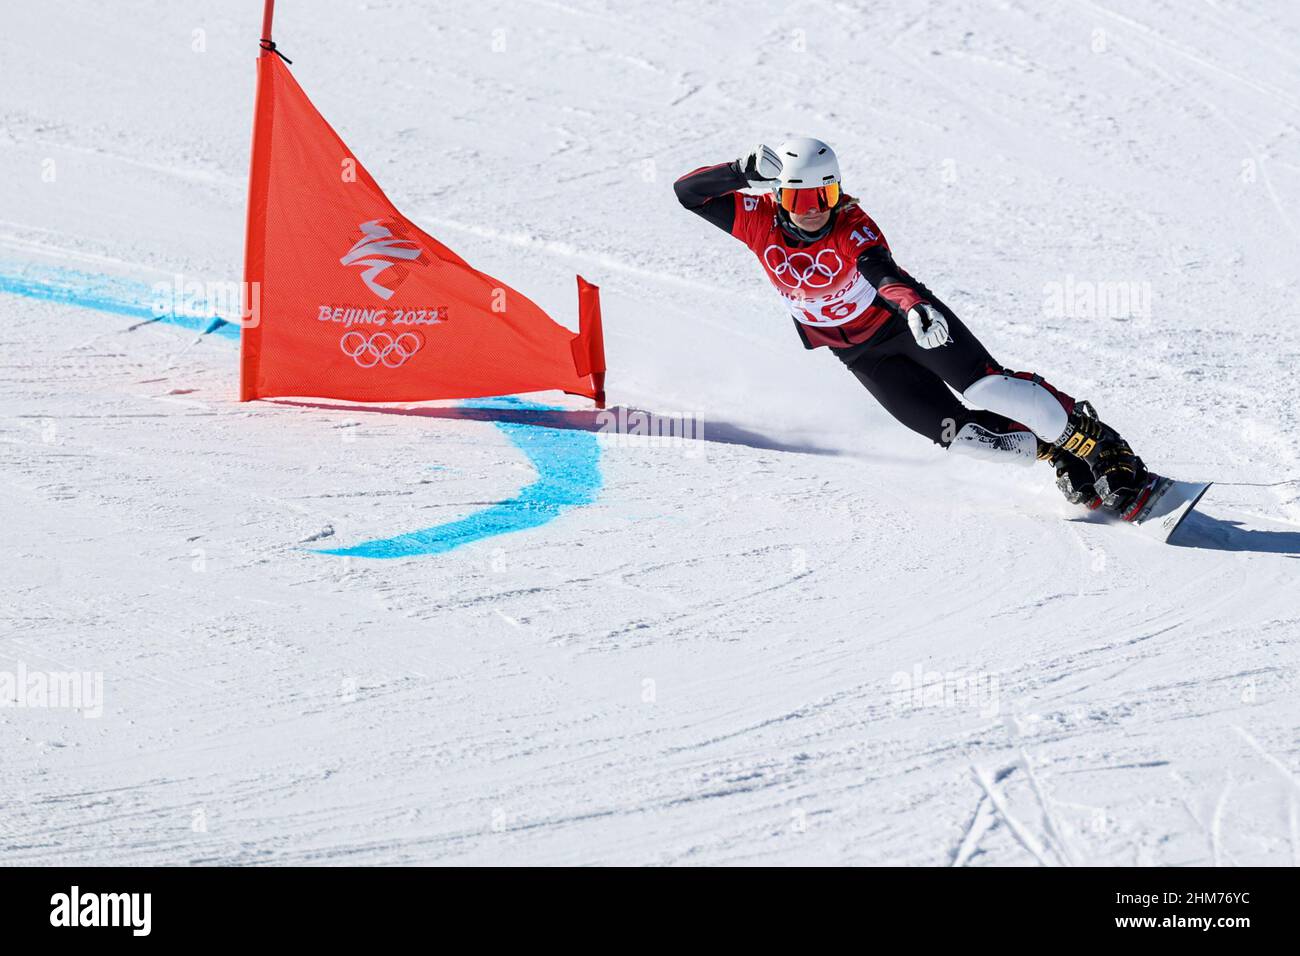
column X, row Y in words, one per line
column 268, row 12
column 254, row 238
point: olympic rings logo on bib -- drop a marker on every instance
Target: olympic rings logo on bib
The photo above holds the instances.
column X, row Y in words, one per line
column 378, row 348
column 802, row 270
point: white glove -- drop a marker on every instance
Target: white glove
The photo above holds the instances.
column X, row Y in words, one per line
column 929, row 327
column 760, row 166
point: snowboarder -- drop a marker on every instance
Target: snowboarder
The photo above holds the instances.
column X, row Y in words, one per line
column 829, row 261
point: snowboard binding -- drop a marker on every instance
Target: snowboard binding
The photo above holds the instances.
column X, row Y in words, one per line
column 1118, row 476
column 1073, row 476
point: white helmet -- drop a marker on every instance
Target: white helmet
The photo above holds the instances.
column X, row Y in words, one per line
column 807, row 163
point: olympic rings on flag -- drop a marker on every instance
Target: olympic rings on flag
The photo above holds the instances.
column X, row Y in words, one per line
column 380, row 348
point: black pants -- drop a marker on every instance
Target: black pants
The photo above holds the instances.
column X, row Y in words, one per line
column 912, row 382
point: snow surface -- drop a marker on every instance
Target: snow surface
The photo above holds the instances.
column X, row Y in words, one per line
column 709, row 660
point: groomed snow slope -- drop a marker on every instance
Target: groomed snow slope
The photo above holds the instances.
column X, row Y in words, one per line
column 709, row 662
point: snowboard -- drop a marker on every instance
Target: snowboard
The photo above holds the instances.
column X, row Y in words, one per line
column 1163, row 504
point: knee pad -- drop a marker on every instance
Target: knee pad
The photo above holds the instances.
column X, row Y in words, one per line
column 1026, row 398
column 977, row 441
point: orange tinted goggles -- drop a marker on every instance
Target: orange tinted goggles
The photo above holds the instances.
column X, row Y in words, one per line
column 817, row 199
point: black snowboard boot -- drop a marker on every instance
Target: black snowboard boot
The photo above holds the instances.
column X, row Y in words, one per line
column 1073, row 476
column 1118, row 474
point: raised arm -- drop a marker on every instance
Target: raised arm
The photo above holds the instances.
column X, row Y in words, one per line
column 707, row 191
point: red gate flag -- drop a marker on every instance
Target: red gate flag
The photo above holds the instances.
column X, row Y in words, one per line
column 349, row 299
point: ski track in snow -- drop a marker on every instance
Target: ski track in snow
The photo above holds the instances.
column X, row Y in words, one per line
column 712, row 660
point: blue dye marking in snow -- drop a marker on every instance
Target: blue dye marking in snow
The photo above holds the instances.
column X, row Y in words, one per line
column 568, row 476
column 120, row 296
column 567, row 460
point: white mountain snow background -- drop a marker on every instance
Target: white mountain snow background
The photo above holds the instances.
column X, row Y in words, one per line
column 809, row 636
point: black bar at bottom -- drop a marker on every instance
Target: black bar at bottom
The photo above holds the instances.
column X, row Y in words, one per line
column 337, row 906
